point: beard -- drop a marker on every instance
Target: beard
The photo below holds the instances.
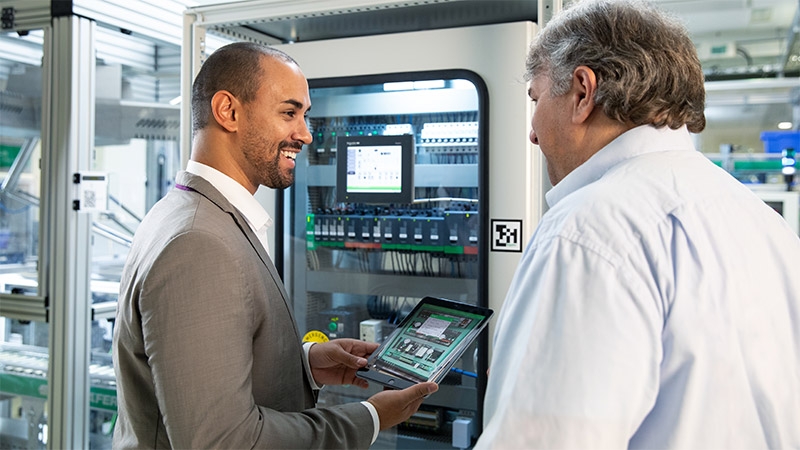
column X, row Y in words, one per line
column 265, row 159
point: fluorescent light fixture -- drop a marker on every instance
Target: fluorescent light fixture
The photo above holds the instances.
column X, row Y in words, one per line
column 784, row 125
column 399, row 86
column 413, row 85
column 462, row 84
column 429, row 84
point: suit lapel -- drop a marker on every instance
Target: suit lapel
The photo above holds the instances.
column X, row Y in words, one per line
column 204, row 188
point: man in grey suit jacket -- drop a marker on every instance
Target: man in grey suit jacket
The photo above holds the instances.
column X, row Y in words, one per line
column 206, row 351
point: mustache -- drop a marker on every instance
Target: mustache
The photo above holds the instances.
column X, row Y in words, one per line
column 297, row 145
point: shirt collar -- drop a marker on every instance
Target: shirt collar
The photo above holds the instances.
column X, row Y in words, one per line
column 235, row 193
column 634, row 142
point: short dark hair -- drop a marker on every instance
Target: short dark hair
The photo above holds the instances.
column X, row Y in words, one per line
column 235, row 68
column 648, row 71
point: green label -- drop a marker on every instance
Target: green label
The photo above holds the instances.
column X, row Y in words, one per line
column 99, row 397
column 7, row 155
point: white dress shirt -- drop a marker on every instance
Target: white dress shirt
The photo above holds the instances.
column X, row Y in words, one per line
column 656, row 306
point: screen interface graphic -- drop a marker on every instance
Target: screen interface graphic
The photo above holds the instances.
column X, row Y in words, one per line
column 374, row 168
column 428, row 338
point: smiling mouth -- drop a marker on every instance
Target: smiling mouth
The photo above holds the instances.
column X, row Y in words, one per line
column 288, row 154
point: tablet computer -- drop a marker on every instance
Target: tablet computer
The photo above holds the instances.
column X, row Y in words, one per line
column 426, row 344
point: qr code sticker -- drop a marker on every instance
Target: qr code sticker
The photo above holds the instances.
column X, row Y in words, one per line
column 506, row 235
column 89, row 199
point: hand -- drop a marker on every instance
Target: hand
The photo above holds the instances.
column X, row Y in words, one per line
column 396, row 407
column 336, row 361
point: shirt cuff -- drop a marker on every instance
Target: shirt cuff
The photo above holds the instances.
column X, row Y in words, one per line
column 376, row 421
column 311, row 380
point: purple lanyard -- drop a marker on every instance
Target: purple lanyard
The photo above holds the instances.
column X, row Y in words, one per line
column 184, row 188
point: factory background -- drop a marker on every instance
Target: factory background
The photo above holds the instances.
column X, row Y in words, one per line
column 94, row 126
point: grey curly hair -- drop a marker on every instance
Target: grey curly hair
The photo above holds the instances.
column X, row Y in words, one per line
column 646, row 65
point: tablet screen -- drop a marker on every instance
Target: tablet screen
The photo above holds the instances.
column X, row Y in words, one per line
column 429, row 339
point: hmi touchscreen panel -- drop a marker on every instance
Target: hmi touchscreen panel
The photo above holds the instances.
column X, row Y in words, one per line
column 375, row 169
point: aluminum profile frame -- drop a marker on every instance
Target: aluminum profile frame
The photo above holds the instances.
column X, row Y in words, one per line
column 68, row 140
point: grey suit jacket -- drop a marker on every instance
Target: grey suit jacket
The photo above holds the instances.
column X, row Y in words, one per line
column 206, row 350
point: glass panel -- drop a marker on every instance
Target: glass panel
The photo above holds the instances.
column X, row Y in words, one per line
column 751, row 132
column 136, row 148
column 368, row 262
column 20, row 150
column 23, row 344
column 749, row 125
column 23, row 384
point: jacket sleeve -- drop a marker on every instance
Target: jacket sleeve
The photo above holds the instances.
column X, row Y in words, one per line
column 198, row 330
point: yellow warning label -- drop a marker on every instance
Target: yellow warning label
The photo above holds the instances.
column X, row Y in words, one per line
column 315, row 336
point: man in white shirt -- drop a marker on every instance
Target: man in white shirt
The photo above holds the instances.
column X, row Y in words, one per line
column 658, row 302
column 206, row 351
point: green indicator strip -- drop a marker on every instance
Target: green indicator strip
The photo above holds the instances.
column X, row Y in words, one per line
column 429, row 248
column 758, row 165
column 397, row 246
column 331, row 244
column 373, row 189
column 311, row 243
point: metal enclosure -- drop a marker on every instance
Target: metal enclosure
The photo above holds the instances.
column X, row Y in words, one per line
column 354, row 265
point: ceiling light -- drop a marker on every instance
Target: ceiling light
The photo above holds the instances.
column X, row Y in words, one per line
column 785, row 125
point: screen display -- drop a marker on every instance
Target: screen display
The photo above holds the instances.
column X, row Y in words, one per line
column 375, row 169
column 428, row 338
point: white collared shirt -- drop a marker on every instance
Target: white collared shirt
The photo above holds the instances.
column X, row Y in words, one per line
column 657, row 305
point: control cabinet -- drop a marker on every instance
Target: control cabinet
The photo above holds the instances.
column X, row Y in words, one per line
column 356, row 268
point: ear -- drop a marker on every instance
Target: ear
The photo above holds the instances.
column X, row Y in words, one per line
column 584, row 85
column 226, row 109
